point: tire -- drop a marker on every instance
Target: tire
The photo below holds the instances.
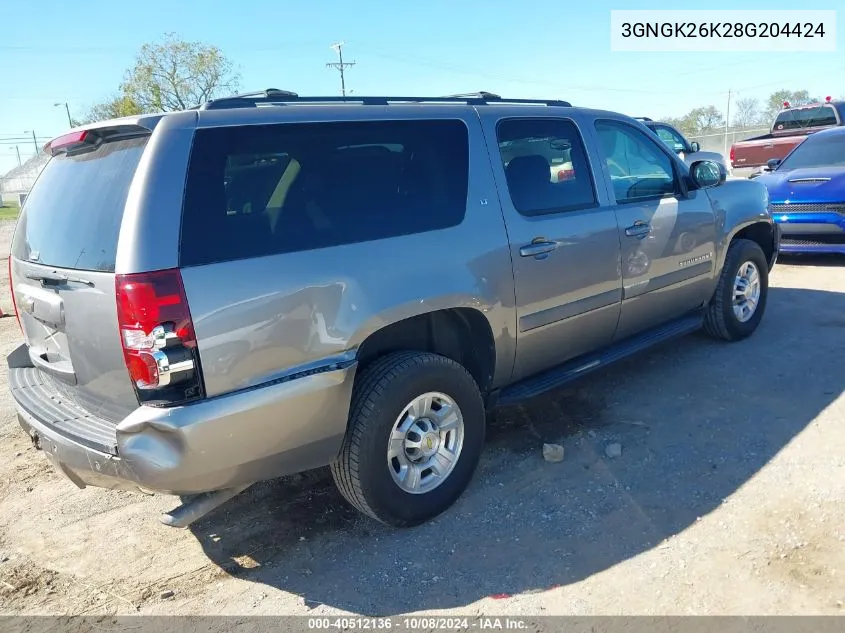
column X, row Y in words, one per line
column 720, row 319
column 363, row 471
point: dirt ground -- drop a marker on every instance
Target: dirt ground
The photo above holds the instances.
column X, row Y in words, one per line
column 728, row 498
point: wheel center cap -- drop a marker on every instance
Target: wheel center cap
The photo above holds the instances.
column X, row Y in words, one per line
column 430, row 443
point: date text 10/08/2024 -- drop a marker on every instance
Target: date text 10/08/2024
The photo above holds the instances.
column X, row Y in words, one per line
column 418, row 623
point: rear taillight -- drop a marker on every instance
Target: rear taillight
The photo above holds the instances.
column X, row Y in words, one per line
column 12, row 291
column 157, row 336
column 733, row 153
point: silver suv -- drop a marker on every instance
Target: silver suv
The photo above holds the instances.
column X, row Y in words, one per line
column 270, row 283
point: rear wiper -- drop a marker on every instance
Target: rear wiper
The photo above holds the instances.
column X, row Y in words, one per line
column 58, row 279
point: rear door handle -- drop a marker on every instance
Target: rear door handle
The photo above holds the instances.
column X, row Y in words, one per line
column 639, row 230
column 537, row 249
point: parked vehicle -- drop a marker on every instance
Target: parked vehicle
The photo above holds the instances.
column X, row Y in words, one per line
column 807, row 194
column 272, row 283
column 689, row 152
column 791, row 126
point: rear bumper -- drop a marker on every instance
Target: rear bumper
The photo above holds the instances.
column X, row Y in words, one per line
column 269, row 431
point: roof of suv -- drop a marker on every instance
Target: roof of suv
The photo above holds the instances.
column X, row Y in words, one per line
column 253, row 101
column 271, row 106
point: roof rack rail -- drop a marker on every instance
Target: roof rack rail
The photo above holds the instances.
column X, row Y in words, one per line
column 249, row 99
column 642, row 118
column 275, row 96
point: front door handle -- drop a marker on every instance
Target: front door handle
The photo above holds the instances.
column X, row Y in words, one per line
column 538, row 248
column 639, row 230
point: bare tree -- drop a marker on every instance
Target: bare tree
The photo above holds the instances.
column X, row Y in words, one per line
column 747, row 113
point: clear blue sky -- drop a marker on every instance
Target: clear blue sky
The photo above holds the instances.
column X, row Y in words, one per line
column 56, row 51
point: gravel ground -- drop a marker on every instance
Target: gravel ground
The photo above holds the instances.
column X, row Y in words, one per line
column 727, row 498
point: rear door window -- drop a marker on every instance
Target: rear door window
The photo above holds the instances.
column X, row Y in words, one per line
column 269, row 189
column 72, row 216
column 545, row 166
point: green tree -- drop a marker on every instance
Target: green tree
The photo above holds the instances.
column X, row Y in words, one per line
column 168, row 75
column 774, row 103
column 113, row 109
column 702, row 120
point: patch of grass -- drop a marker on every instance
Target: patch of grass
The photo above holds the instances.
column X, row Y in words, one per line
column 9, row 211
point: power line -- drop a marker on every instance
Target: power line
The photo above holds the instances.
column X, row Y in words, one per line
column 340, row 65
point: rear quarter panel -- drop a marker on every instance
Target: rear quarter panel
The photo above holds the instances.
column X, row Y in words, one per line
column 263, row 319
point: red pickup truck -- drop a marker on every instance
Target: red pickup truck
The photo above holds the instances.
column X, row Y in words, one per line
column 791, row 126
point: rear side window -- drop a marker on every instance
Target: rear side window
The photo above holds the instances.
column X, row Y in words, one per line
column 71, row 218
column 545, row 166
column 805, row 117
column 263, row 190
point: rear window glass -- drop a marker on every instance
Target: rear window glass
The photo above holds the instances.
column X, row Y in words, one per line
column 805, row 117
column 72, row 216
column 262, row 190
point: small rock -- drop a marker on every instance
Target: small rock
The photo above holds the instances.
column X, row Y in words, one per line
column 613, row 450
column 146, row 593
column 553, row 452
column 164, row 595
column 18, row 454
column 591, row 434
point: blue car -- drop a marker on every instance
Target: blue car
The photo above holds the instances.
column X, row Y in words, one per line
column 807, row 194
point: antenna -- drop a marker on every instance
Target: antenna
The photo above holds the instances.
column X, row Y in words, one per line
column 340, row 65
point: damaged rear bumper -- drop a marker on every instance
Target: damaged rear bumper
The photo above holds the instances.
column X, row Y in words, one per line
column 275, row 429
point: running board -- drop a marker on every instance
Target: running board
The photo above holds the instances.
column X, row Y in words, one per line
column 578, row 367
column 199, row 506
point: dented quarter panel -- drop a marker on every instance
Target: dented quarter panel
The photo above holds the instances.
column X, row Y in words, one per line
column 261, row 319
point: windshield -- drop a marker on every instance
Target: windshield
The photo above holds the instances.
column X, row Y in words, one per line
column 72, row 217
column 826, row 150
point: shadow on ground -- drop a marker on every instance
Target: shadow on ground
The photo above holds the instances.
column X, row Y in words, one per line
column 696, row 419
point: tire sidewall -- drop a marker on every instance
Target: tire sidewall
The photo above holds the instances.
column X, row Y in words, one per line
column 380, row 490
column 747, row 252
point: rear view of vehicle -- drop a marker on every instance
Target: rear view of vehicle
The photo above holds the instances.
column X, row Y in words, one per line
column 97, row 344
column 790, row 128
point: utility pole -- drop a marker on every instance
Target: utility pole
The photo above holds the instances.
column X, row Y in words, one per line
column 67, row 109
column 727, row 122
column 18, row 150
column 340, row 65
column 34, row 142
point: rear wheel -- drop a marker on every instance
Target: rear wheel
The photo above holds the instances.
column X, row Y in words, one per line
column 415, row 435
column 740, row 298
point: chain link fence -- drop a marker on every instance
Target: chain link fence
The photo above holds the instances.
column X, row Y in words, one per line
column 721, row 141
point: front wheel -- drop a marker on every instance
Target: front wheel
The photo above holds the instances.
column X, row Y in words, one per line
column 739, row 301
column 415, row 435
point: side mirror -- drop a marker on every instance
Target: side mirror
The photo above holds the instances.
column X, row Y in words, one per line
column 695, row 147
column 773, row 163
column 706, row 173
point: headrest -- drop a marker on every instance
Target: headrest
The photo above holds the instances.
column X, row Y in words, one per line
column 528, row 170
